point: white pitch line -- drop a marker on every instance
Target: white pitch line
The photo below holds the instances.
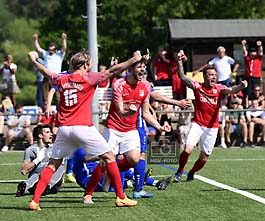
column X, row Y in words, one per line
column 232, row 189
column 10, row 181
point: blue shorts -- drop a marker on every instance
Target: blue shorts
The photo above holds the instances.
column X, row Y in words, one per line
column 143, row 140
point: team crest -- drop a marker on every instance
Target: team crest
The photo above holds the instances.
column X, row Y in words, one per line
column 214, row 91
column 141, row 93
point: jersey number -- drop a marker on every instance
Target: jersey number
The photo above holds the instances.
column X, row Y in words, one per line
column 70, row 97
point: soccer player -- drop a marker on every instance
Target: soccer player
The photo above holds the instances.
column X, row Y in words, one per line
column 36, row 158
column 83, row 168
column 121, row 133
column 140, row 167
column 75, row 122
column 204, row 126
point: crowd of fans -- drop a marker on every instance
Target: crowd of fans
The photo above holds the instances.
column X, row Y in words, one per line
column 242, row 119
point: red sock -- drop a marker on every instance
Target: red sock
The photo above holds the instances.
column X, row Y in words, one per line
column 94, row 180
column 183, row 159
column 124, row 165
column 199, row 164
column 114, row 175
column 44, row 180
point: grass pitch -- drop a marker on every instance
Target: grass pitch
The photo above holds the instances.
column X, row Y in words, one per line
column 240, row 168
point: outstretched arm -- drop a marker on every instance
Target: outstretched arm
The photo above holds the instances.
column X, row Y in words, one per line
column 118, row 68
column 33, row 56
column 164, row 99
column 237, row 88
column 182, row 76
column 260, row 48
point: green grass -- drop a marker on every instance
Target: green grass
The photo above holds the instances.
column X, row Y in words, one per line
column 240, row 168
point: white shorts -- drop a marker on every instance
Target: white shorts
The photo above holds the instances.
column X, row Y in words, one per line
column 207, row 137
column 122, row 142
column 17, row 133
column 69, row 138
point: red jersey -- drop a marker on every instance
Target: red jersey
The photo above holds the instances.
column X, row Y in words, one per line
column 207, row 104
column 178, row 86
column 253, row 66
column 76, row 93
column 162, row 68
column 127, row 94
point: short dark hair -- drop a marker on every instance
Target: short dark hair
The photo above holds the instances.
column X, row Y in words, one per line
column 208, row 67
column 38, row 129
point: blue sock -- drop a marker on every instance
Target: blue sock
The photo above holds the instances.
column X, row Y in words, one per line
column 139, row 174
column 69, row 167
column 150, row 181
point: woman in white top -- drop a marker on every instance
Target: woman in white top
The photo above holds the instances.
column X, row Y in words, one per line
column 8, row 70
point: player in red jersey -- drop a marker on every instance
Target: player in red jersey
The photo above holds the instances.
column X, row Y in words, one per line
column 74, row 119
column 121, row 132
column 204, row 126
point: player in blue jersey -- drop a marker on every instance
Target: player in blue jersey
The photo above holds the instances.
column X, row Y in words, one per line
column 83, row 168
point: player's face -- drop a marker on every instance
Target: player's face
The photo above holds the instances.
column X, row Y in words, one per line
column 139, row 71
column 210, row 77
column 47, row 135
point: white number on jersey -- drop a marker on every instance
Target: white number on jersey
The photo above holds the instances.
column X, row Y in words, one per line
column 70, row 97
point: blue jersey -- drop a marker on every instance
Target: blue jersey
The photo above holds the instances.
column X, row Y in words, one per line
column 82, row 170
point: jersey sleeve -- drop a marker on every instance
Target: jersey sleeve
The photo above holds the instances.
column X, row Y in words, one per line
column 117, row 91
column 211, row 62
column 28, row 155
column 95, row 78
column 230, row 60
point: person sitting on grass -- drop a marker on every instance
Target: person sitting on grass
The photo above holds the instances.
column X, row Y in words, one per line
column 36, row 158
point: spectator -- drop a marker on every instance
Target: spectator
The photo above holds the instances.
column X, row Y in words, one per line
column 18, row 126
column 256, row 95
column 222, row 64
column 104, row 84
column 236, row 123
column 253, row 64
column 36, row 157
column 39, row 81
column 160, row 68
column 53, row 59
column 256, row 120
column 178, row 87
column 8, row 69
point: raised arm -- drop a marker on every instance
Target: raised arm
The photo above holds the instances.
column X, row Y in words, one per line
column 33, row 57
column 260, row 48
column 182, row 76
column 244, row 47
column 36, row 43
column 64, row 43
column 118, row 68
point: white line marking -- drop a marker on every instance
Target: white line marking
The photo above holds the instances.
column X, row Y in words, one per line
column 232, row 189
column 10, row 181
column 10, row 164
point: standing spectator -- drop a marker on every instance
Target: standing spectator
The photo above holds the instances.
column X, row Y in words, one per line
column 236, row 123
column 253, row 64
column 76, row 127
column 160, row 68
column 8, row 69
column 36, row 158
column 178, row 87
column 53, row 59
column 18, row 126
column 39, row 82
column 256, row 121
column 222, row 64
column 204, row 126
